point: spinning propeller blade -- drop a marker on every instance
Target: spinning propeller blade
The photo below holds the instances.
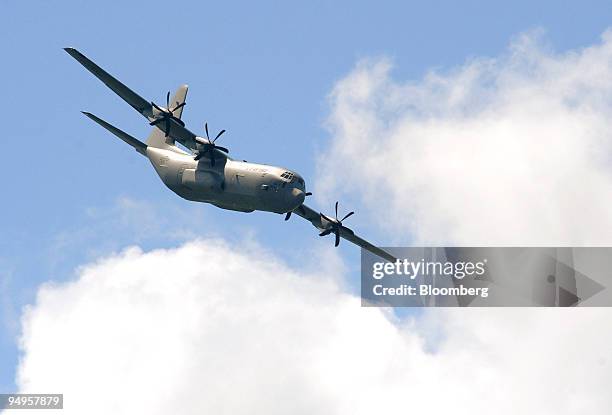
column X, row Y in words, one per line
column 334, row 225
column 208, row 147
column 167, row 115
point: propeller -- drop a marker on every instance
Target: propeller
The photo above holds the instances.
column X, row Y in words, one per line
column 335, row 225
column 208, row 147
column 167, row 115
column 288, row 215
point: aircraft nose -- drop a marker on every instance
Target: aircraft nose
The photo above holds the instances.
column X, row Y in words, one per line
column 298, row 195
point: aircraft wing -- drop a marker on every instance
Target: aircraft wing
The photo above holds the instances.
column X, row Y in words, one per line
column 144, row 107
column 314, row 217
column 181, row 134
column 136, row 101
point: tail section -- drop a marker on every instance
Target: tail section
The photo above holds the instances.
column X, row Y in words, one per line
column 178, row 99
column 134, row 142
column 157, row 137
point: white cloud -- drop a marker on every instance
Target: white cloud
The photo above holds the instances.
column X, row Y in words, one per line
column 509, row 150
column 206, row 329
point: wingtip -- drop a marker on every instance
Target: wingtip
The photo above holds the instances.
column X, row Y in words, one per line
column 72, row 51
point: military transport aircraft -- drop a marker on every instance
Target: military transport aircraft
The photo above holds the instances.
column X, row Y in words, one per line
column 208, row 174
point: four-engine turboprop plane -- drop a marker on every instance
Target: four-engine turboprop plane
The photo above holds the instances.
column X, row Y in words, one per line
column 208, row 174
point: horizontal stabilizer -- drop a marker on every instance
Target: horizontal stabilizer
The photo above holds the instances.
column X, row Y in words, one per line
column 134, row 142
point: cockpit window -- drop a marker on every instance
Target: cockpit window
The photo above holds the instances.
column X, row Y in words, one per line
column 287, row 176
column 292, row 178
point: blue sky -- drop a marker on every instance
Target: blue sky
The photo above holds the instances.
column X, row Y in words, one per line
column 262, row 71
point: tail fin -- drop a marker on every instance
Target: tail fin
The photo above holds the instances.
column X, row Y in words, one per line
column 157, row 137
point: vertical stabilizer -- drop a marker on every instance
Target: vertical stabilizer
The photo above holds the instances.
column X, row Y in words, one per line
column 178, row 99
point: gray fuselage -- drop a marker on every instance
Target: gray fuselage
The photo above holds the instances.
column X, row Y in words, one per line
column 229, row 184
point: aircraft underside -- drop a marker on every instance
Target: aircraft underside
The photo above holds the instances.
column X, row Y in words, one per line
column 232, row 185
